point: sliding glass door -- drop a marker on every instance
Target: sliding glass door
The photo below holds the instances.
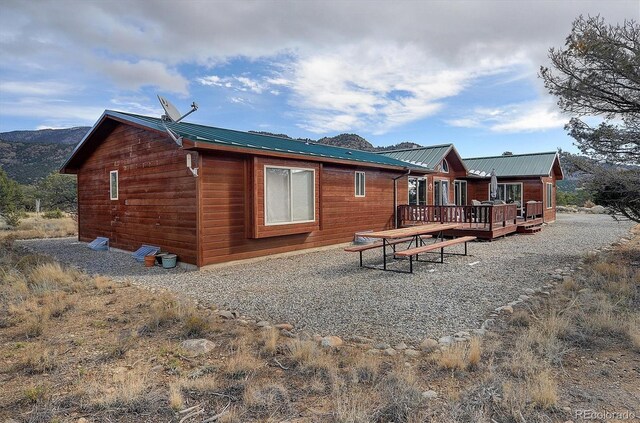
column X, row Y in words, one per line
column 441, row 192
column 510, row 193
column 417, row 191
column 460, row 192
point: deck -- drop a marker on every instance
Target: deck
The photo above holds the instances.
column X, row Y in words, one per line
column 487, row 221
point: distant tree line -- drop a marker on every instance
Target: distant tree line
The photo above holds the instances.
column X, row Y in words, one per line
column 55, row 192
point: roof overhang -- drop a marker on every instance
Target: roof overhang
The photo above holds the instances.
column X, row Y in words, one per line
column 108, row 121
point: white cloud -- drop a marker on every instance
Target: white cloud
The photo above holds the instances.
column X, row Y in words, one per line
column 378, row 87
column 36, row 88
column 514, row 118
column 143, row 73
column 238, row 83
column 52, row 112
column 350, row 65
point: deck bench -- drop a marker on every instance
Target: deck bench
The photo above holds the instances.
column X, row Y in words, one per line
column 435, row 246
column 365, row 247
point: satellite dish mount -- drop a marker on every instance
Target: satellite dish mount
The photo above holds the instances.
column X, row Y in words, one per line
column 173, row 115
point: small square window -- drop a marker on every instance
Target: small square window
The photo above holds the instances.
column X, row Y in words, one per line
column 360, row 181
column 113, row 185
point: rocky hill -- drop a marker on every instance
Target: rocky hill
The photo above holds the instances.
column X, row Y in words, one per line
column 30, row 162
column 354, row 141
column 47, row 136
column 29, row 156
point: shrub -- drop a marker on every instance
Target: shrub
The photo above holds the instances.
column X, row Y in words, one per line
column 35, row 394
column 12, row 216
column 194, row 326
column 544, row 392
column 53, row 214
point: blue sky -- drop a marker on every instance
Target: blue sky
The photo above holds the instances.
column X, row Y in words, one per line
column 429, row 72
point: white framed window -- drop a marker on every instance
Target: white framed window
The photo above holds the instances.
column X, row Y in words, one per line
column 289, row 195
column 549, row 195
column 417, row 191
column 359, row 182
column 460, row 193
column 441, row 192
column 444, row 166
column 113, row 185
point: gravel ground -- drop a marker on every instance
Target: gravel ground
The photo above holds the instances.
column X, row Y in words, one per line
column 326, row 292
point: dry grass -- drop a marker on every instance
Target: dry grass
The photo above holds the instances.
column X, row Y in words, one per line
column 116, row 350
column 242, row 363
column 544, row 393
column 366, row 369
column 270, row 341
column 303, row 352
column 267, row 400
column 176, row 400
column 128, row 390
column 474, row 354
column 460, row 356
column 37, row 227
column 39, row 360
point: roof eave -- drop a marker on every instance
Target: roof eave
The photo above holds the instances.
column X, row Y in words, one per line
column 199, row 145
column 64, row 168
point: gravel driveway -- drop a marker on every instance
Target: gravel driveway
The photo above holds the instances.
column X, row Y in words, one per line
column 326, row 292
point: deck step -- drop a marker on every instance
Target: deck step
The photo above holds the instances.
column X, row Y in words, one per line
column 529, row 229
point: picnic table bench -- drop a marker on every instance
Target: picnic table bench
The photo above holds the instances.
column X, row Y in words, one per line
column 378, row 244
column 435, row 246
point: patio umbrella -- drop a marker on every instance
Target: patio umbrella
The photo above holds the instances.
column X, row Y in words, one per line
column 494, row 184
column 445, row 195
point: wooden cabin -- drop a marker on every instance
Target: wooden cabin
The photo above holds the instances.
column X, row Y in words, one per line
column 253, row 195
column 521, row 178
column 458, row 190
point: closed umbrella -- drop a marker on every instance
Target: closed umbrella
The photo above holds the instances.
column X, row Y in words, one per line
column 445, row 194
column 494, row 184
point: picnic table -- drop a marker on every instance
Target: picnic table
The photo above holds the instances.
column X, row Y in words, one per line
column 415, row 233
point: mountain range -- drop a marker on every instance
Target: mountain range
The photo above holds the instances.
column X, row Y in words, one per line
column 29, row 156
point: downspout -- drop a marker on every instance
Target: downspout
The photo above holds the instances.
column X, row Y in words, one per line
column 395, row 197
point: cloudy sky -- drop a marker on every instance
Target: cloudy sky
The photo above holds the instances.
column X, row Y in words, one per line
column 423, row 71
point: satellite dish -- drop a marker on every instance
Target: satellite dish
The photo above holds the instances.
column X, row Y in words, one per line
column 173, row 115
column 171, row 111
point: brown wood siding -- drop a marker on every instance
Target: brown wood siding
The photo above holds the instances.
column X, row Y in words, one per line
column 156, row 193
column 549, row 213
column 227, row 205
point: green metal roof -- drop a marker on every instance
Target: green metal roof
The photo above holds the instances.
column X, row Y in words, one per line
column 258, row 142
column 428, row 157
column 535, row 164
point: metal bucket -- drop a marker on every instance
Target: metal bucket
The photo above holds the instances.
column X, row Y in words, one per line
column 169, row 261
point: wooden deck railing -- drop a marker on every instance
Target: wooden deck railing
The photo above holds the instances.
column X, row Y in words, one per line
column 486, row 216
column 533, row 210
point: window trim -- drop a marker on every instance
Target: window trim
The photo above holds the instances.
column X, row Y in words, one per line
column 466, row 190
column 364, row 184
column 297, row 222
column 441, row 180
column 111, row 197
column 510, row 183
column 549, row 195
column 418, row 179
column 444, row 162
